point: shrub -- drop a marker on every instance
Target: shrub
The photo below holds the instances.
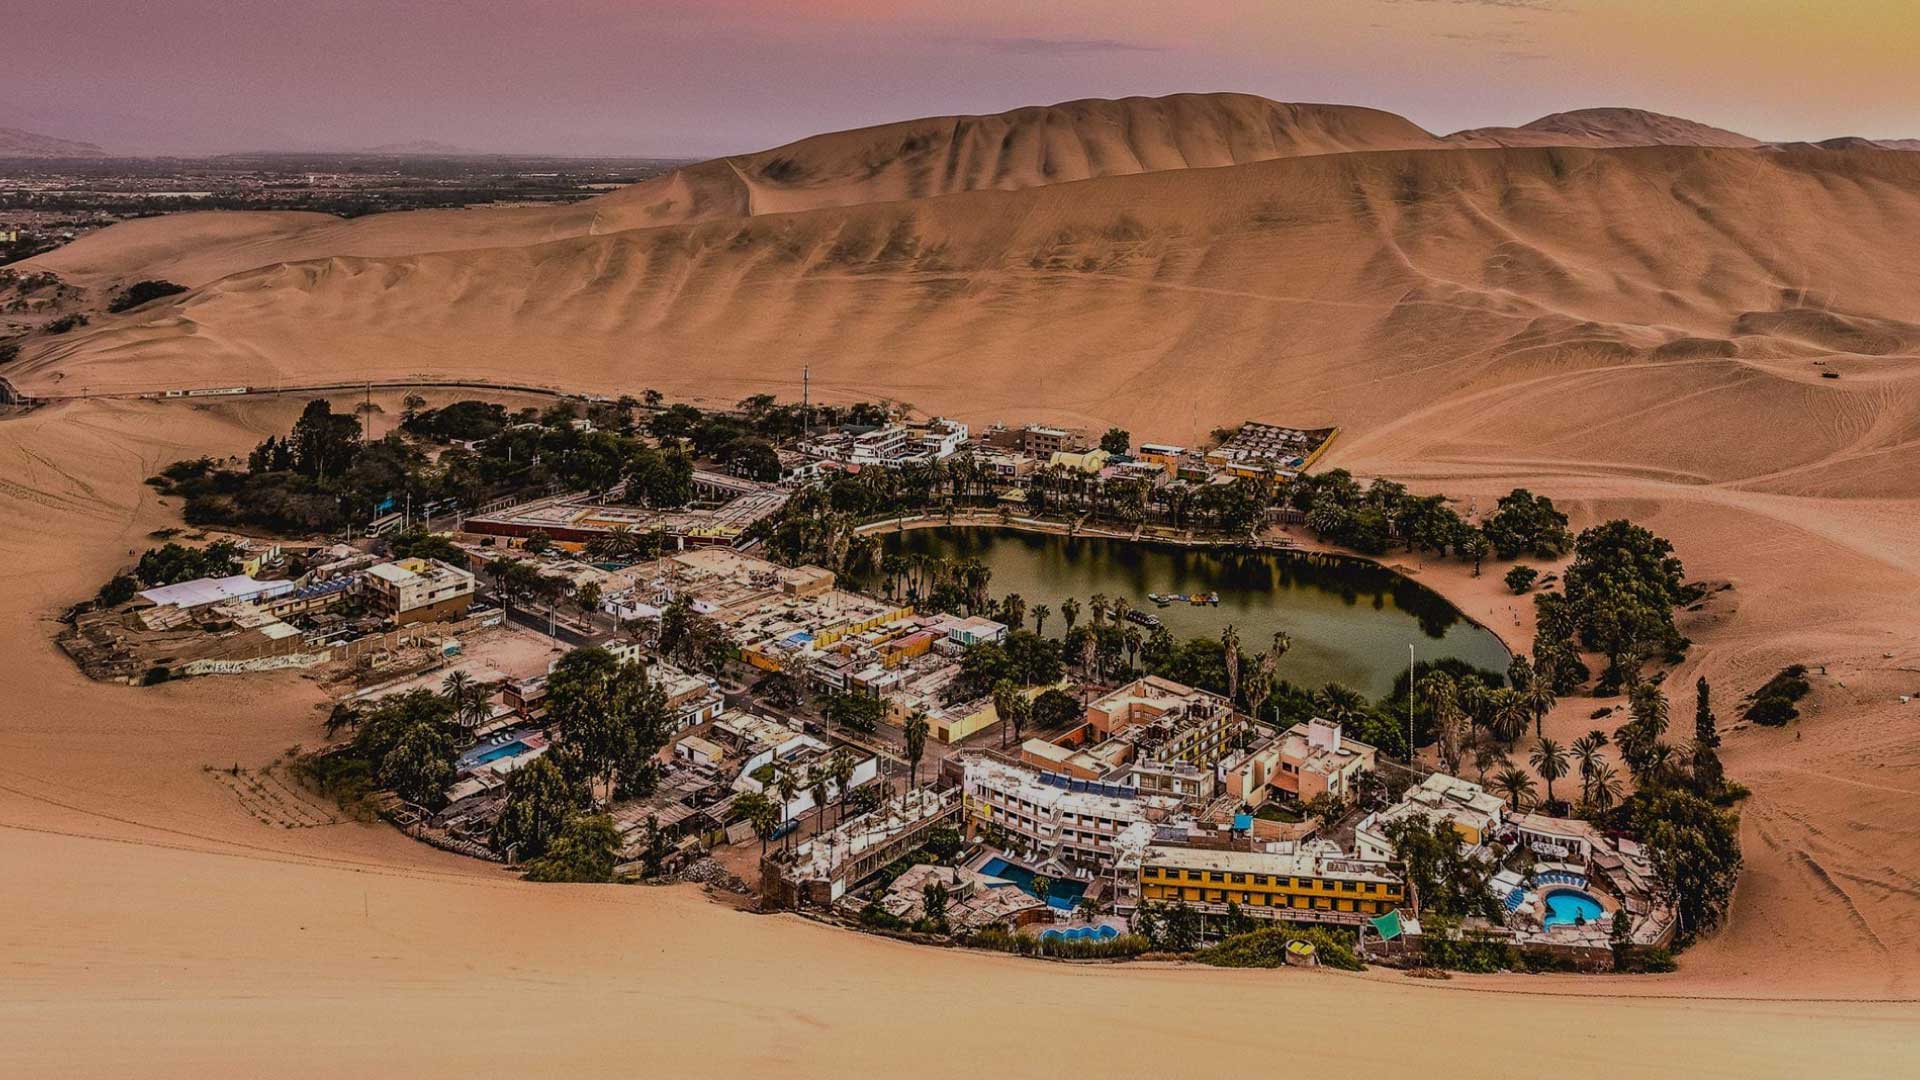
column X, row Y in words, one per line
column 998, row 940
column 1267, row 948
column 1652, row 960
column 141, row 292
column 118, row 590
column 1521, row 578
column 66, row 322
column 156, row 675
column 1773, row 704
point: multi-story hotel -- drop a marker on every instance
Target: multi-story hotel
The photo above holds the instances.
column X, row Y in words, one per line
column 1310, row 884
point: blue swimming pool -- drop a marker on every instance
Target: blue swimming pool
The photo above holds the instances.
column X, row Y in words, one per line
column 1570, row 906
column 1063, row 893
column 498, row 752
column 1083, row 933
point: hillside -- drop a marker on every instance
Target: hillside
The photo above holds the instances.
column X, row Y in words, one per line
column 1605, row 127
column 15, row 143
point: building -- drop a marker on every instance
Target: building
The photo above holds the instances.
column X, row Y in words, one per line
column 974, row 630
column 1164, row 455
column 1258, row 450
column 1152, row 735
column 826, row 867
column 1475, row 813
column 1042, row 441
column 419, row 590
column 733, row 506
column 1311, row 883
column 1306, row 760
column 1067, row 827
column 974, row 900
column 200, row 593
column 1086, row 461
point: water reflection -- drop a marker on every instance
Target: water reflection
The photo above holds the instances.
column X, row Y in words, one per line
column 1318, row 600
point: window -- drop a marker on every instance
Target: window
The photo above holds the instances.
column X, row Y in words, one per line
column 1349, row 886
column 1215, row 875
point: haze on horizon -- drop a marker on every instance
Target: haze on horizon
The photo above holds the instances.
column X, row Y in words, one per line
column 698, row 78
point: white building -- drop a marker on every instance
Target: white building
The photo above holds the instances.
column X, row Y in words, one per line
column 1069, row 827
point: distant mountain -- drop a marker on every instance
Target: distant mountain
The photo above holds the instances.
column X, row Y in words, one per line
column 15, row 143
column 1606, row 127
column 1852, row 142
column 423, row 147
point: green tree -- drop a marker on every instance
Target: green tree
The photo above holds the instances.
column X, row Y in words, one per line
column 1521, row 578
column 610, row 715
column 1549, row 759
column 916, row 734
column 118, row 590
column 1443, row 878
column 1515, row 784
column 419, row 768
column 761, row 814
column 1116, row 441
column 1695, row 850
column 539, row 801
column 586, row 850
column 856, row 712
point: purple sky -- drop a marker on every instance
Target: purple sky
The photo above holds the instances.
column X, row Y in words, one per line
column 682, row 78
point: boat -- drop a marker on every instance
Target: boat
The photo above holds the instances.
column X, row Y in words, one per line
column 1144, row 619
column 1163, row 601
column 1212, row 598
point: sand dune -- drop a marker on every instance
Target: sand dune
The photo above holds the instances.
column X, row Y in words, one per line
column 1606, row 127
column 1639, row 331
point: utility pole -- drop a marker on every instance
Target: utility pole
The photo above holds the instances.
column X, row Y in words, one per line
column 1409, row 703
column 806, row 401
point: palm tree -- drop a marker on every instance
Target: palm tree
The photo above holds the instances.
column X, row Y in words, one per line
column 1004, row 691
column 1040, row 613
column 840, row 766
column 761, row 814
column 1605, row 787
column 1586, row 754
column 1442, row 695
column 1097, row 609
column 916, row 729
column 787, row 782
column 1070, row 611
column 1506, row 714
column 1132, row 640
column 1515, row 784
column 1230, row 654
column 1538, row 697
column 1341, row 704
column 817, row 780
column 469, row 699
column 1549, row 759
column 1649, row 708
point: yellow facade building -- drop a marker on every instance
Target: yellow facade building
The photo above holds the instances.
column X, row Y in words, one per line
column 1294, row 885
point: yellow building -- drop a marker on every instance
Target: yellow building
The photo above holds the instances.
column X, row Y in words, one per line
column 1308, row 886
column 1091, row 461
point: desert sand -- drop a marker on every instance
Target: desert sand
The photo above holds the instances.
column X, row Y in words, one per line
column 1634, row 331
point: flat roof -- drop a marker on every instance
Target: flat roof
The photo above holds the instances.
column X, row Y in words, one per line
column 203, row 591
column 1278, row 863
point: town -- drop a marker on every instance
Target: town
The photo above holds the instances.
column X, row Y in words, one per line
column 632, row 640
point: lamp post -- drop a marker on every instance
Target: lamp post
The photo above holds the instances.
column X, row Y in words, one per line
column 1409, row 704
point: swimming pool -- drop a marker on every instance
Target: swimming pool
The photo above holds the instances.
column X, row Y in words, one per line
column 517, row 746
column 1063, row 893
column 1083, row 933
column 1568, row 907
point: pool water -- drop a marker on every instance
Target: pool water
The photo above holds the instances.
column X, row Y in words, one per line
column 1569, row 906
column 498, row 752
column 1062, row 893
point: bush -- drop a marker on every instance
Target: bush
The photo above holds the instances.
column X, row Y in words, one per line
column 1652, row 960
column 120, row 589
column 998, row 940
column 156, row 675
column 65, row 323
column 1773, row 704
column 1267, row 948
column 1521, row 578
column 141, row 292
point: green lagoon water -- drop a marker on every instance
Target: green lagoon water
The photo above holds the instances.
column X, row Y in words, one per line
column 1351, row 621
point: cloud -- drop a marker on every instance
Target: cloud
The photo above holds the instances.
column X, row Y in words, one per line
column 1034, row 46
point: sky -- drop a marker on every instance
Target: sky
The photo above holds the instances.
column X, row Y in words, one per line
column 700, row 78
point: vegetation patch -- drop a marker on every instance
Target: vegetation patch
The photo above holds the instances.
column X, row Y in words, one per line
column 1267, row 948
column 1773, row 704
